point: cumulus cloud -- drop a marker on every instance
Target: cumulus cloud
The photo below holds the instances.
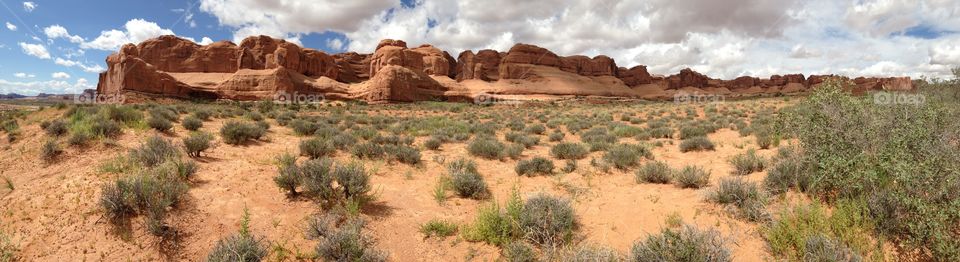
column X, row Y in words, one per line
column 205, row 41
column 35, row 50
column 11, row 27
column 57, row 31
column 29, row 6
column 283, row 18
column 94, row 68
column 335, row 44
column 60, row 75
column 135, row 31
column 24, row 75
column 52, row 86
column 801, row 51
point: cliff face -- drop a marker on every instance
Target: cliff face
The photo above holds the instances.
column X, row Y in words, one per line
column 261, row 67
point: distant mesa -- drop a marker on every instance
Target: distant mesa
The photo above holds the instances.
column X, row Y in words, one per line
column 261, row 67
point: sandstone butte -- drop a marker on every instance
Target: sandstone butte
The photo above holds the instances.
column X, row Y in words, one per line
column 262, row 67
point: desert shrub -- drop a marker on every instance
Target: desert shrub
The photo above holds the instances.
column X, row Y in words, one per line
column 488, row 148
column 547, row 220
column 765, row 141
column 196, row 143
column 808, row 232
column 202, row 114
column 494, row 225
column 468, row 184
column 585, row 253
column 159, row 123
column 516, row 125
column 598, row 138
column 122, row 114
column 432, row 143
column 240, row 247
column 514, row 151
column 50, row 150
column 438, row 228
column 191, row 123
column 114, row 201
column 534, row 166
column 404, row 154
column 354, row 181
column 345, row 241
column 692, row 177
column 56, row 128
column 684, row 244
column 262, row 125
column 690, row 131
column 537, row 129
column 568, row 151
column 626, row 131
column 343, row 141
column 79, row 138
column 746, row 197
column 700, row 143
column 163, row 112
column 368, row 150
column 556, row 137
column 661, row 132
column 303, row 127
column 528, row 141
column 317, row 179
column 518, row 251
column 236, row 133
column 316, row 148
column 105, row 128
column 569, row 166
column 789, row 173
column 624, row 156
column 747, row 163
column 153, row 152
column 150, row 192
column 288, row 174
column 254, row 116
column 654, row 172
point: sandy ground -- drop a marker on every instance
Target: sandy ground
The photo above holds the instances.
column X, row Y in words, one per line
column 53, row 215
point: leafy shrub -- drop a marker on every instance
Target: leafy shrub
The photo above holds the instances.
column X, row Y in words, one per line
column 303, row 128
column 191, row 123
column 242, row 246
column 692, row 177
column 518, row 251
column 196, row 143
column 105, row 128
column 79, row 138
column 159, row 123
column 568, row 151
column 819, row 248
column 488, row 148
column 316, row 177
column 346, row 242
column 495, row 226
column 316, row 148
column 692, row 131
column 685, row 244
column 547, row 220
column 765, row 141
column 56, row 128
column 164, row 113
column 789, row 173
column 661, row 132
column 153, row 152
column 432, row 143
column 535, row 166
column 288, row 176
column 353, row 180
column 438, row 228
column 747, row 163
column 368, row 150
column 700, row 143
column 514, row 151
column 536, row 129
column 624, row 156
column 745, row 196
column 404, row 154
column 654, row 172
column 468, row 184
column 807, row 232
column 236, row 133
column 556, row 137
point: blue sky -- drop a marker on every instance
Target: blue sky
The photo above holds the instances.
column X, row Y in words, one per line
column 59, row 46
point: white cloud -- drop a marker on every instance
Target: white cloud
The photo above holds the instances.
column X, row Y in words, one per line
column 95, row 68
column 335, row 44
column 24, row 75
column 801, row 51
column 29, row 6
column 49, row 87
column 135, row 31
column 57, row 31
column 35, row 50
column 205, row 41
column 11, row 27
column 60, row 75
column 282, row 18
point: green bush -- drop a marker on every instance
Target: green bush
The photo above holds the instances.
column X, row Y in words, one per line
column 79, row 138
column 153, row 152
column 535, row 166
column 236, row 133
column 568, row 151
column 317, row 179
column 242, row 246
column 747, row 163
column 288, row 174
column 684, row 244
column 624, row 156
column 654, row 172
column 432, row 143
column 316, row 148
column 514, row 151
column 196, row 143
column 191, row 123
column 548, row 220
column 368, row 150
column 700, row 143
column 303, row 128
column 691, row 131
column 789, row 170
column 745, row 196
column 495, row 226
column 404, row 154
column 56, row 128
column 346, row 242
column 518, row 251
column 50, row 150
column 468, row 184
column 692, row 177
column 438, row 228
column 537, row 129
column 488, row 148
column 809, row 231
column 354, row 181
column 159, row 124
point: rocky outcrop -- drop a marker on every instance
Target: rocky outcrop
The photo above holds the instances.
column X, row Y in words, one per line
column 262, row 67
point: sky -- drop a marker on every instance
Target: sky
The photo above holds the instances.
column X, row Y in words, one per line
column 60, row 46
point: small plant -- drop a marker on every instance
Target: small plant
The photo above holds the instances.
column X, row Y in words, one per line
column 368, row 150
column 468, row 184
column 316, row 148
column 565, row 151
column 196, row 143
column 624, row 156
column 747, row 163
column 569, row 166
column 700, row 143
column 192, row 123
column 692, row 177
column 79, row 138
column 438, row 228
column 159, row 123
column 745, row 196
column 236, row 133
column 685, row 244
column 56, row 128
column 518, row 251
column 289, row 176
column 556, row 137
column 50, row 150
column 488, row 148
column 535, row 166
column 404, row 154
column 654, row 172
column 514, row 151
column 495, row 226
column 432, row 143
column 242, row 246
column 344, row 241
column 153, row 152
column 547, row 220
column 354, row 181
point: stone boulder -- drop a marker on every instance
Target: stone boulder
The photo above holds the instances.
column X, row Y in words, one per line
column 585, row 66
column 395, row 83
column 485, row 65
column 687, row 78
column 634, row 76
column 437, row 62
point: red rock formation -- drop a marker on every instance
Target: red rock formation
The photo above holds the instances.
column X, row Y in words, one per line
column 743, row 82
column 582, row 65
column 397, row 83
column 687, row 77
column 634, row 76
column 173, row 54
column 436, row 61
column 354, row 67
column 485, row 65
